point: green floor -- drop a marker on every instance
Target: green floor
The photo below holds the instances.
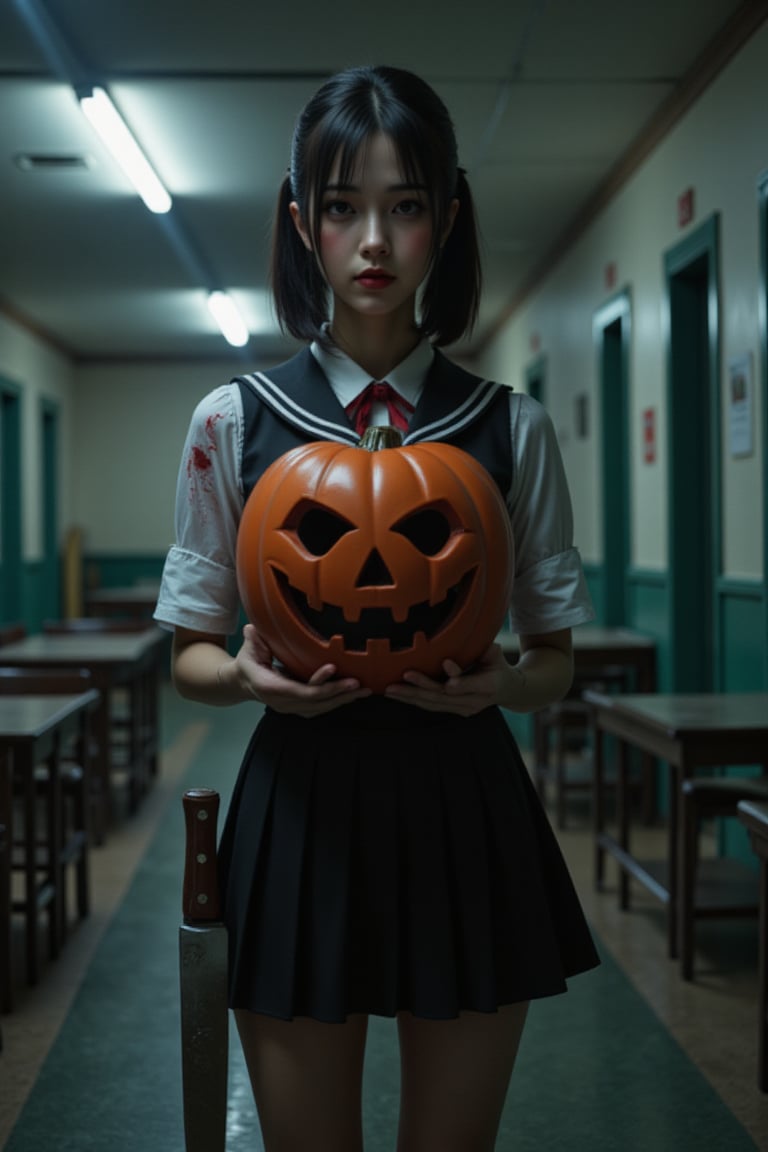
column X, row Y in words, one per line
column 596, row 1073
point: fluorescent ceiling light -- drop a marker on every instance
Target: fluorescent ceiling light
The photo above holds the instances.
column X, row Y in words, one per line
column 228, row 319
column 112, row 129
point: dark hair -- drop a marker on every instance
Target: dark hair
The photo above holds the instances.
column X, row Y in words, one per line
column 337, row 121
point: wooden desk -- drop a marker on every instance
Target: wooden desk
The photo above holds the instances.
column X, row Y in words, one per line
column 115, row 660
column 688, row 732
column 126, row 600
column 32, row 729
column 595, row 649
column 754, row 817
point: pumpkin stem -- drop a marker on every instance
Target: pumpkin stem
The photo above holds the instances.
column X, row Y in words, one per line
column 380, row 436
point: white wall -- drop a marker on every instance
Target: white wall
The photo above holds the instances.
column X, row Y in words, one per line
column 39, row 373
column 131, row 424
column 720, row 149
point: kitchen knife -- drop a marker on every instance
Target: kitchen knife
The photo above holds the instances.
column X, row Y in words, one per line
column 203, row 975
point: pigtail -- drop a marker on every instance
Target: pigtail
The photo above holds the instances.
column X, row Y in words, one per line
column 451, row 297
column 298, row 287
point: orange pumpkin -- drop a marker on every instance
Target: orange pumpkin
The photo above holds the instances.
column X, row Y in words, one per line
column 378, row 558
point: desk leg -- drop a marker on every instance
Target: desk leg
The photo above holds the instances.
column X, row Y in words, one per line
column 27, row 776
column 136, row 756
column 153, row 717
column 57, row 927
column 675, row 847
column 762, row 1035
column 6, row 820
column 646, row 682
column 598, row 802
column 103, row 764
column 622, row 818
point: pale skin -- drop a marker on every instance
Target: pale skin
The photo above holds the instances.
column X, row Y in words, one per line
column 306, row 1075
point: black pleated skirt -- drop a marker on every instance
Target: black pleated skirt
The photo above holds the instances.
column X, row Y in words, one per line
column 382, row 858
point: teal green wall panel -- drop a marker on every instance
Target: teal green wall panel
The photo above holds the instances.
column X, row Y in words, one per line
column 742, row 656
column 648, row 608
column 741, row 608
column 593, row 573
column 40, row 596
column 107, row 570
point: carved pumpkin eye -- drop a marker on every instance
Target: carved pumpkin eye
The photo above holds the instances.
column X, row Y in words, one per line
column 319, row 529
column 429, row 529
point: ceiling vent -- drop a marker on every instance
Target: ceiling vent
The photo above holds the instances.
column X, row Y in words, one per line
column 52, row 162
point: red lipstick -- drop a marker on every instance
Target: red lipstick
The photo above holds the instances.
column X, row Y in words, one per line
column 374, row 278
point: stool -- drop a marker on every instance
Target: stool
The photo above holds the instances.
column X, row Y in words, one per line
column 705, row 798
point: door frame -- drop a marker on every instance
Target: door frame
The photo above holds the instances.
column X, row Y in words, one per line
column 10, row 502
column 615, row 457
column 49, row 511
column 535, row 376
column 703, row 242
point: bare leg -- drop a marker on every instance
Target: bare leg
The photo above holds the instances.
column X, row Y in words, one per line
column 455, row 1075
column 307, row 1081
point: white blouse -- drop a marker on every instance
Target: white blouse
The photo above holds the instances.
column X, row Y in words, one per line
column 199, row 584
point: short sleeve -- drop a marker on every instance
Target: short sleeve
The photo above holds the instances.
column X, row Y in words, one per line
column 199, row 583
column 550, row 590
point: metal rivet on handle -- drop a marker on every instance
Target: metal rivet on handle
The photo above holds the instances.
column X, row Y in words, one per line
column 202, row 858
column 202, row 814
column 202, row 898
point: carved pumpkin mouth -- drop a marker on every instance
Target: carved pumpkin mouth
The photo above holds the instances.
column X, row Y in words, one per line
column 377, row 623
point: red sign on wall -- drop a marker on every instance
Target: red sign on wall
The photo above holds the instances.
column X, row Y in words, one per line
column 685, row 205
column 649, row 435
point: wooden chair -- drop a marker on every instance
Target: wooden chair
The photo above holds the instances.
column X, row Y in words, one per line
column 561, row 738
column 722, row 887
column 126, row 733
column 72, row 835
column 10, row 633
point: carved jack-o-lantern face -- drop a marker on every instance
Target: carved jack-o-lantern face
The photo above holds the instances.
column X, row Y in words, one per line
column 378, row 561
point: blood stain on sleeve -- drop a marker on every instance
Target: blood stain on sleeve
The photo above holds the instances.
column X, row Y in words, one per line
column 200, row 462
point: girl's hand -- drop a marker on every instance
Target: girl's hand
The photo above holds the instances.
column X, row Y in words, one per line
column 490, row 681
column 255, row 670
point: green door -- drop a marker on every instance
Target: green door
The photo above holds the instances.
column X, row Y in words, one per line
column 51, row 581
column 611, row 330
column 693, row 358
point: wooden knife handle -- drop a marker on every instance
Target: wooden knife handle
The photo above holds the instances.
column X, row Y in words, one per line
column 200, row 900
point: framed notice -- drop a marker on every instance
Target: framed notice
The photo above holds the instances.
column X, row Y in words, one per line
column 740, row 402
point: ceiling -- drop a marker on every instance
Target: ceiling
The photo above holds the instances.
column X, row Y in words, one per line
column 547, row 97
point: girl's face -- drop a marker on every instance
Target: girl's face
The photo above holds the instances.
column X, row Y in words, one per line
column 375, row 235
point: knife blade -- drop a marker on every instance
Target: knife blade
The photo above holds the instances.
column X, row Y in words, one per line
column 203, row 981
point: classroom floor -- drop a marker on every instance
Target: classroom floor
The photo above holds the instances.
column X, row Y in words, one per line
column 713, row 1019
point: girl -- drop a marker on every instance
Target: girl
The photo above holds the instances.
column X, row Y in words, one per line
column 381, row 854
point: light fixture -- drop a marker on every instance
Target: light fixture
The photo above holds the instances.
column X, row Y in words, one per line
column 112, row 129
column 228, row 318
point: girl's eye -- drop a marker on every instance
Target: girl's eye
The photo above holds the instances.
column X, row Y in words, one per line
column 409, row 208
column 337, row 207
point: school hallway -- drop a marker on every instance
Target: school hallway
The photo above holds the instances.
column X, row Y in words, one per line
column 630, row 1059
